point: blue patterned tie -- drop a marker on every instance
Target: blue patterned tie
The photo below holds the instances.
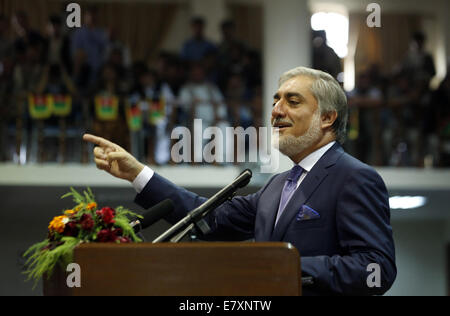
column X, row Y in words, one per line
column 289, row 188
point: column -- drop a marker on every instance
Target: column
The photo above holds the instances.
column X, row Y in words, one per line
column 286, row 46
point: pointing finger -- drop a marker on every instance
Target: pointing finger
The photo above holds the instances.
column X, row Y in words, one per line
column 98, row 141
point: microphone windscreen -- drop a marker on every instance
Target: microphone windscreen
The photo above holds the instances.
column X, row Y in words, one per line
column 156, row 213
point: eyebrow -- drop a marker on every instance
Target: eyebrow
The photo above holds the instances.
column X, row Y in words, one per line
column 290, row 95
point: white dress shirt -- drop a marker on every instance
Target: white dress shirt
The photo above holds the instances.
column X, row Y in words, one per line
column 309, row 161
column 307, row 164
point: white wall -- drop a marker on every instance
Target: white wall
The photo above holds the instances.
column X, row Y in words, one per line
column 421, row 258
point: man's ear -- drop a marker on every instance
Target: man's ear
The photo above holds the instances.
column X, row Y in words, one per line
column 328, row 119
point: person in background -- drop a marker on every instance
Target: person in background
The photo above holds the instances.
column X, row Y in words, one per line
column 418, row 63
column 26, row 36
column 198, row 46
column 55, row 80
column 203, row 100
column 89, row 43
column 116, row 60
column 364, row 102
column 108, row 88
column 240, row 110
column 28, row 68
column 324, row 57
column 238, row 101
column 116, row 44
column 230, row 53
column 228, row 43
column 57, row 44
column 252, row 70
column 170, row 68
column 399, row 129
column 156, row 102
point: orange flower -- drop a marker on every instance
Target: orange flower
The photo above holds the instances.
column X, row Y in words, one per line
column 58, row 223
column 69, row 212
column 92, row 206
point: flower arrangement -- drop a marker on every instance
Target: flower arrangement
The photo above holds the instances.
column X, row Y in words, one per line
column 83, row 224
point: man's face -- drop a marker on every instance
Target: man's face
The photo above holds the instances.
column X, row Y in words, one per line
column 295, row 116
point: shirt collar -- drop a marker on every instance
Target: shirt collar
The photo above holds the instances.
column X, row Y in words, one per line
column 309, row 161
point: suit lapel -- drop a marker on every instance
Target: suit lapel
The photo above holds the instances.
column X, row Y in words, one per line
column 317, row 174
column 269, row 212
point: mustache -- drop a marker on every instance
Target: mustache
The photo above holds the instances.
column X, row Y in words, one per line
column 280, row 120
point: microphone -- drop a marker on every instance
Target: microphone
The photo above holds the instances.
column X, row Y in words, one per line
column 220, row 197
column 153, row 215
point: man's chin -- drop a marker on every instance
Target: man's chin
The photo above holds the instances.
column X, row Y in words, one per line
column 281, row 143
column 290, row 145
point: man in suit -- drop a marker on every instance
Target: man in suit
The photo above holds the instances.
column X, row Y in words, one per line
column 333, row 208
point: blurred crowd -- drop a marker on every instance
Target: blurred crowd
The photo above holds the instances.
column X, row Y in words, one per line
column 396, row 119
column 54, row 86
column 57, row 85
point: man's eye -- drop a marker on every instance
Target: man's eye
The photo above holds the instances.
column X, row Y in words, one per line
column 294, row 102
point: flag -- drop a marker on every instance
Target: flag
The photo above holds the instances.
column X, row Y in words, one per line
column 157, row 111
column 106, row 107
column 39, row 107
column 134, row 117
column 61, row 104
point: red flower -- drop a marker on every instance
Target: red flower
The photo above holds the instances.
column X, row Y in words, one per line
column 71, row 229
column 106, row 235
column 107, row 214
column 87, row 223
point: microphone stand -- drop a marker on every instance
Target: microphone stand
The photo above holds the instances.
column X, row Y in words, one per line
column 195, row 217
column 180, row 236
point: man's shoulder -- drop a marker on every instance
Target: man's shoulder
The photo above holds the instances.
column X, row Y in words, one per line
column 351, row 166
column 352, row 162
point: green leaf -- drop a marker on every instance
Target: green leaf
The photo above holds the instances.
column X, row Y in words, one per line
column 60, row 251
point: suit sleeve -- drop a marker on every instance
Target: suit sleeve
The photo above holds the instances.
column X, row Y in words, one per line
column 233, row 220
column 365, row 237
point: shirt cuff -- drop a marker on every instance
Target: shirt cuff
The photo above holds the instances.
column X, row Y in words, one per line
column 142, row 179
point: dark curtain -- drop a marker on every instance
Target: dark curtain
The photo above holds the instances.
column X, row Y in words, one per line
column 385, row 46
column 249, row 21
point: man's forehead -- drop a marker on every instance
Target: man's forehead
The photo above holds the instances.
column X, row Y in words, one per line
column 300, row 84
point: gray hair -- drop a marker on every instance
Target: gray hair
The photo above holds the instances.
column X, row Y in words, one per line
column 329, row 94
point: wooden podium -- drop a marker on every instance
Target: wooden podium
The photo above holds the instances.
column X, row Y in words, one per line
column 183, row 269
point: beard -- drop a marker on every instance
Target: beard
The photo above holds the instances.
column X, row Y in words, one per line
column 290, row 145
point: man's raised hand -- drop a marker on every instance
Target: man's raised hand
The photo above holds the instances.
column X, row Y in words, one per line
column 114, row 159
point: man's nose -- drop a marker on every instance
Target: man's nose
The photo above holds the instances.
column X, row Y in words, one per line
column 278, row 110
